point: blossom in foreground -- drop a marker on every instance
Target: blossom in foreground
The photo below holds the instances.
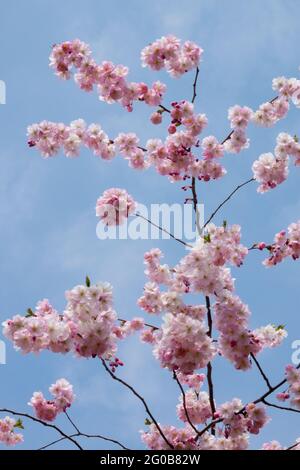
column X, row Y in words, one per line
column 63, row 397
column 293, row 378
column 197, row 406
column 270, row 171
column 85, row 328
column 8, row 435
column 286, row 244
column 114, row 206
column 110, row 79
column 182, row 344
column 167, row 52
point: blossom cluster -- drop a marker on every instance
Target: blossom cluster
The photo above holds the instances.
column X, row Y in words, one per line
column 286, row 244
column 51, row 137
column 8, row 436
column 63, row 397
column 114, row 206
column 237, row 423
column 85, row 328
column 182, row 343
column 203, row 268
column 110, row 79
column 236, row 342
column 233, row 435
column 293, row 379
column 271, row 170
column 197, row 407
column 168, row 53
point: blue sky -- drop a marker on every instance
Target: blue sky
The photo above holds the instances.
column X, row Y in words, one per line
column 48, row 239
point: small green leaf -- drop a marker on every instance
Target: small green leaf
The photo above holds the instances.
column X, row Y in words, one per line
column 207, row 238
column 30, row 313
column 19, row 424
column 87, row 281
column 224, row 223
column 280, row 327
column 147, row 422
column 296, row 139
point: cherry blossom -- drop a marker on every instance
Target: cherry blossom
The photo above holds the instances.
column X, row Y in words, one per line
column 286, row 244
column 114, row 206
column 110, row 79
column 8, row 435
column 182, row 344
column 197, row 407
column 167, row 52
column 63, row 397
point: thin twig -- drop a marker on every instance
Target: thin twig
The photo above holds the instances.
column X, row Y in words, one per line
column 195, row 85
column 195, row 202
column 209, row 365
column 146, row 324
column 137, row 214
column 163, row 108
column 261, row 399
column 48, row 425
column 72, row 422
column 184, row 403
column 293, row 446
column 114, row 377
column 91, row 436
column 264, row 376
column 279, row 407
column 226, row 200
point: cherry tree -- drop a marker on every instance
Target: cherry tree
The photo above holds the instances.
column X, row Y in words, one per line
column 189, row 335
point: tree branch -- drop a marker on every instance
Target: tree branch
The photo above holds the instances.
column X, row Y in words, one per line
column 137, row 214
column 195, row 85
column 209, row 365
column 184, row 403
column 261, row 371
column 114, row 377
column 48, row 425
column 90, row 436
column 279, row 407
column 226, row 200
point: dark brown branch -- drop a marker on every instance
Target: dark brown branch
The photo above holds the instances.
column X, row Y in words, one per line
column 209, row 365
column 72, row 422
column 90, row 436
column 195, row 85
column 293, row 446
column 279, row 407
column 114, row 377
column 226, row 200
column 163, row 108
column 264, row 376
column 146, row 324
column 48, row 425
column 184, row 403
column 163, row 230
column 195, row 202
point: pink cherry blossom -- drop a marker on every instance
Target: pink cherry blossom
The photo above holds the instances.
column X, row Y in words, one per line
column 286, row 244
column 110, row 79
column 270, row 171
column 8, row 436
column 168, row 53
column 63, row 397
column 197, row 406
column 182, row 344
column 114, row 206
